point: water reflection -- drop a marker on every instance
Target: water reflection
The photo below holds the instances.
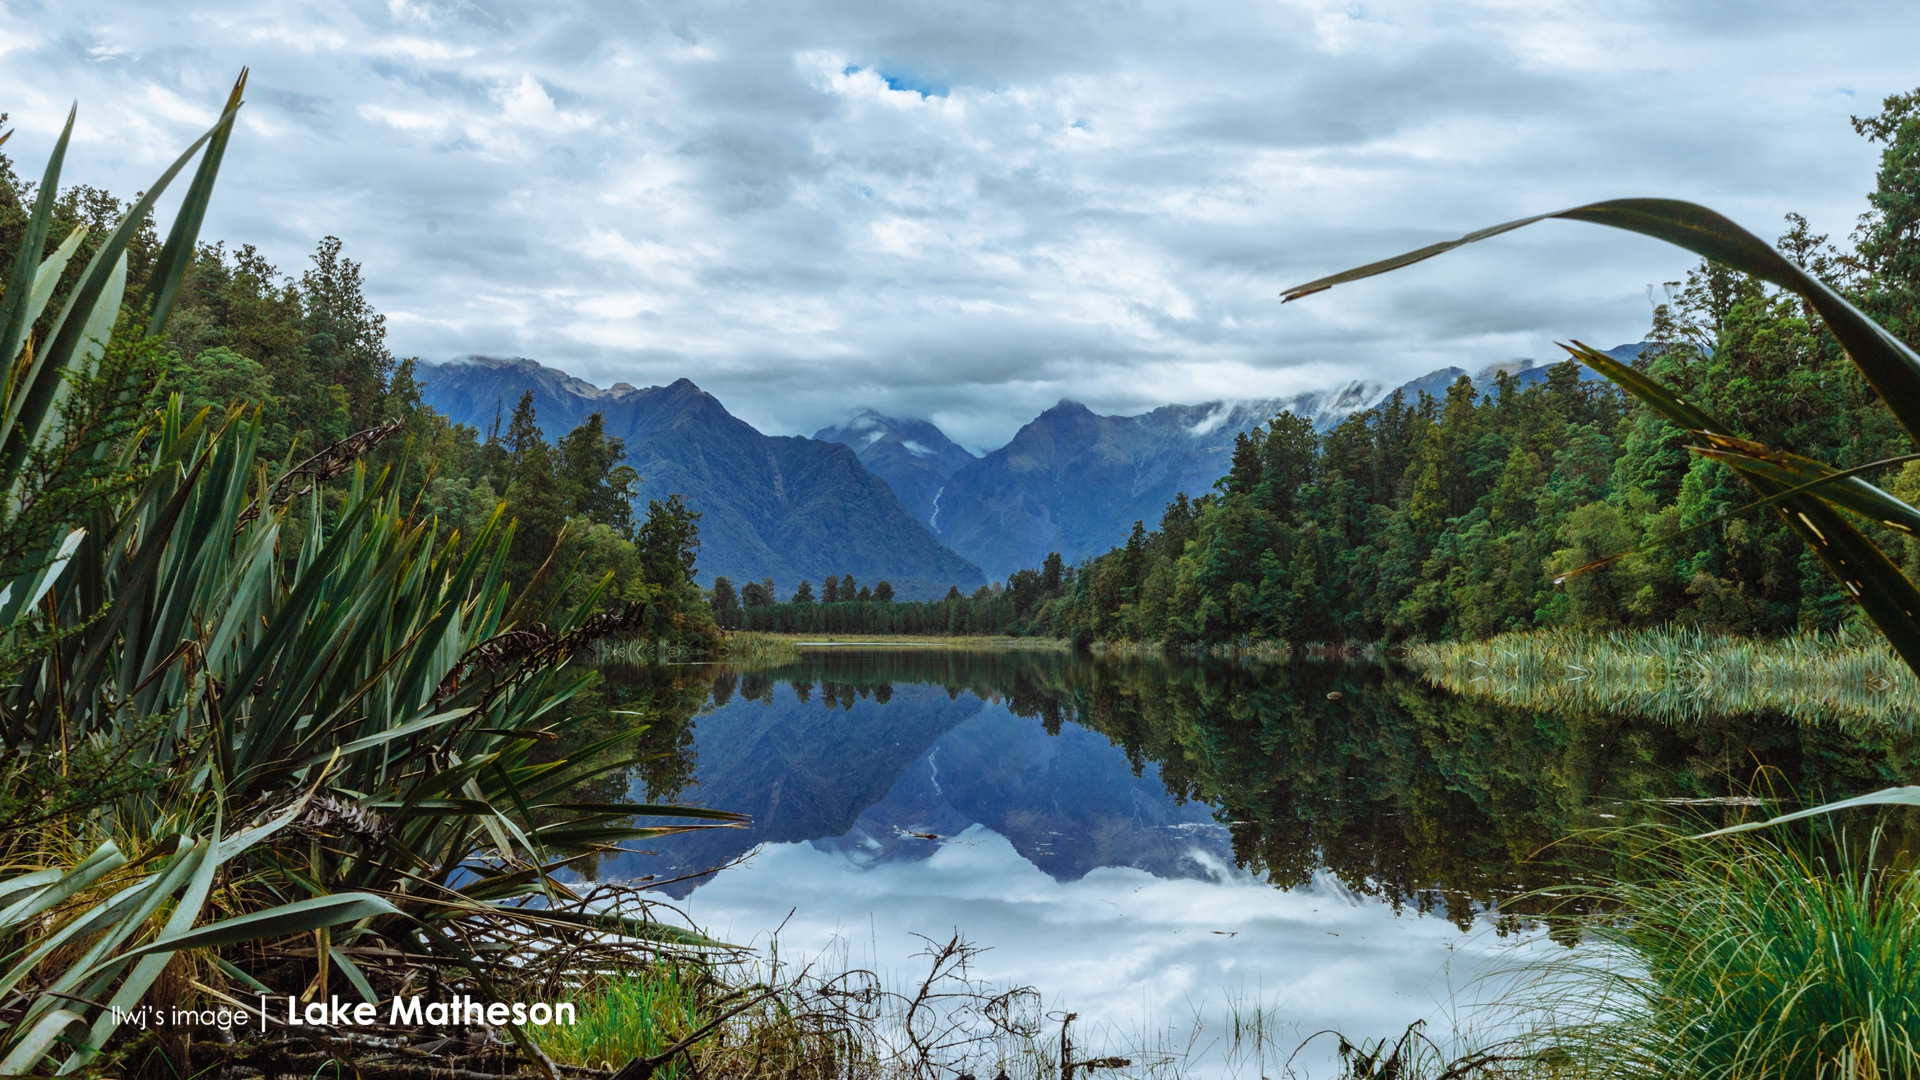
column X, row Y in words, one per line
column 1112, row 829
column 1360, row 771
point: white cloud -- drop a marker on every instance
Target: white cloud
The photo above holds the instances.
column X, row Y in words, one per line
column 973, row 210
column 402, row 119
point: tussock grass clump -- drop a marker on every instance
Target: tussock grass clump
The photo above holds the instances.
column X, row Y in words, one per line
column 1749, row 958
column 626, row 1016
column 746, row 646
column 1682, row 674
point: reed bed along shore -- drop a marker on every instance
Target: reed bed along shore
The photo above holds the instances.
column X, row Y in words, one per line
column 1681, row 674
column 748, row 647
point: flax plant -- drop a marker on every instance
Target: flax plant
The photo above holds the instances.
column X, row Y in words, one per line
column 331, row 743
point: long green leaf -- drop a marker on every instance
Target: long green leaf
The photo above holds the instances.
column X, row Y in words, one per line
column 413, row 727
column 29, row 1050
column 104, row 860
column 14, row 322
column 1898, row 796
column 644, row 810
column 1849, row 493
column 1888, row 363
column 101, row 916
column 170, row 268
column 295, row 918
column 354, row 975
column 47, row 277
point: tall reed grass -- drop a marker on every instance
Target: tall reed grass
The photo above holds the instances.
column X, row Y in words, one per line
column 1745, row 958
column 1681, row 674
column 631, row 1015
column 748, row 647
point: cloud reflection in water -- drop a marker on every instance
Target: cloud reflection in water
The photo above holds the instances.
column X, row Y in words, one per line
column 1143, row 956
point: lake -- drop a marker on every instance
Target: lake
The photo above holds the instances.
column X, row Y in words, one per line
column 1171, row 847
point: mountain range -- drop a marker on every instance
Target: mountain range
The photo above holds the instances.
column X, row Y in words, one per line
column 1074, row 481
column 783, row 507
column 895, row 499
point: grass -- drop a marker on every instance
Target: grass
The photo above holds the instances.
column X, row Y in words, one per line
column 1746, row 958
column 643, row 1013
column 747, row 646
column 1681, row 674
column 631, row 1015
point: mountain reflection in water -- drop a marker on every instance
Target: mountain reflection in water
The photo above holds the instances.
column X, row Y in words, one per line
column 1180, row 766
column 1113, row 830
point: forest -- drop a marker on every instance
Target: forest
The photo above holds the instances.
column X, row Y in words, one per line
column 1418, row 520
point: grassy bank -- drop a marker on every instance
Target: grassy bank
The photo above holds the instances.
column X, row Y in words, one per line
column 1676, row 673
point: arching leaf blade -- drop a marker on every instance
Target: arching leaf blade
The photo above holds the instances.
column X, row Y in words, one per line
column 1850, row 493
column 170, row 268
column 1672, row 405
column 295, row 918
column 1897, row 796
column 13, row 323
column 1888, row 363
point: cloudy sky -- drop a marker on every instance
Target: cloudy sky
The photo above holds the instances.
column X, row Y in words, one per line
column 969, row 210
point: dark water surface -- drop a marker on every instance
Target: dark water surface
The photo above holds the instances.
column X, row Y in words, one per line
column 1162, row 843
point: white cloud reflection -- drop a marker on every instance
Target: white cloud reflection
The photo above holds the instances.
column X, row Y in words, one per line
column 1146, row 961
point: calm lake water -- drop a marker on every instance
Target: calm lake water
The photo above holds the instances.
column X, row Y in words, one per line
column 1163, row 846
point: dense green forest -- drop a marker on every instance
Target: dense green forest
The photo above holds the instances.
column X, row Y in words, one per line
column 843, row 608
column 310, row 353
column 1452, row 517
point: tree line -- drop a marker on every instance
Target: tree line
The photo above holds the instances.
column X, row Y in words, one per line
column 841, row 608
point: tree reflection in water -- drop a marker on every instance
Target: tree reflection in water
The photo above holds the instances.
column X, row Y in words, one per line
column 1398, row 789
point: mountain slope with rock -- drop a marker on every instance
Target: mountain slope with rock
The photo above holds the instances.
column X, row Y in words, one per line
column 783, row 507
column 913, row 456
column 1075, row 482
